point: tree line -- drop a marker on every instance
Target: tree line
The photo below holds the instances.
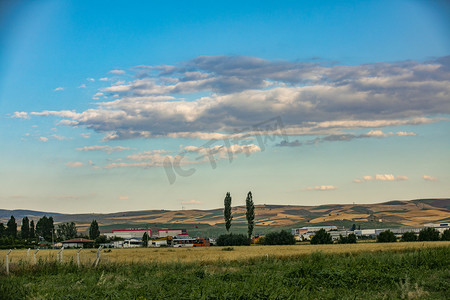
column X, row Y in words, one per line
column 43, row 231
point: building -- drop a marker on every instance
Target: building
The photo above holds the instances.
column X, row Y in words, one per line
column 441, row 227
column 171, row 232
column 129, row 233
column 305, row 233
column 128, row 243
column 78, row 243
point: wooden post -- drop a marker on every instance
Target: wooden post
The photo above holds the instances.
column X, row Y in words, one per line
column 34, row 255
column 59, row 255
column 97, row 260
column 78, row 257
column 7, row 261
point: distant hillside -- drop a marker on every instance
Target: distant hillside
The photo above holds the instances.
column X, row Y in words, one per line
column 5, row 215
column 388, row 214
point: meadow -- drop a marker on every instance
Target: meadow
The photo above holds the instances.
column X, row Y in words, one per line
column 419, row 270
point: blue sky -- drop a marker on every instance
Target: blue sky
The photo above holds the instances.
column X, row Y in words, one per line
column 98, row 102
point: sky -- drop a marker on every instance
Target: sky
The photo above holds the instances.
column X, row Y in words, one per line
column 110, row 106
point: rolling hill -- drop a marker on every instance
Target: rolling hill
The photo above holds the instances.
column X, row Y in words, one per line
column 268, row 217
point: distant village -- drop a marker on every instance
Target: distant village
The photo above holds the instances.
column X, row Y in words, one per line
column 135, row 237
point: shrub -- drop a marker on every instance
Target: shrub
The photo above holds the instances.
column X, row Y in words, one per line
column 446, row 235
column 233, row 240
column 350, row 239
column 429, row 234
column 386, row 237
column 409, row 236
column 321, row 237
column 279, row 238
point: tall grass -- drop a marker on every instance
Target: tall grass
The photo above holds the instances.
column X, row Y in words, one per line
column 408, row 274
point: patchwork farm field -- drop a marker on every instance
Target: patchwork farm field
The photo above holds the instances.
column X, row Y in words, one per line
column 212, row 254
column 418, row 270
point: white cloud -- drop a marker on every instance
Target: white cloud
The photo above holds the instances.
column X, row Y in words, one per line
column 85, row 135
column 322, row 188
column 103, row 148
column 74, row 164
column 97, row 95
column 124, row 198
column 43, row 139
column 429, row 178
column 20, row 115
column 403, row 133
column 238, row 92
column 381, row 177
column 104, row 79
column 90, row 79
column 117, row 72
column 60, row 88
column 82, row 86
column 59, row 138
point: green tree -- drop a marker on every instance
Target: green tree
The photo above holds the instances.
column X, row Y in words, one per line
column 250, row 213
column 321, row 237
column 350, row 239
column 2, row 230
column 409, row 236
column 386, row 237
column 227, row 212
column 279, row 238
column 429, row 234
column 233, row 240
column 145, row 239
column 45, row 228
column 94, row 231
column 66, row 231
column 25, row 229
column 11, row 228
column 446, row 235
column 32, row 231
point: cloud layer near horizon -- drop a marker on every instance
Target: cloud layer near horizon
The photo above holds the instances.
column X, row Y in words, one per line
column 212, row 95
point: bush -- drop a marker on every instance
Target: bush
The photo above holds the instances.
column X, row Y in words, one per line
column 446, row 235
column 429, row 234
column 233, row 240
column 350, row 239
column 279, row 238
column 321, row 237
column 386, row 237
column 409, row 236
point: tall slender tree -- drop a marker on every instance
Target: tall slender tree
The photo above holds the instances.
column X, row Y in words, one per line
column 45, row 228
column 2, row 230
column 11, row 227
column 227, row 212
column 32, row 231
column 94, row 231
column 250, row 213
column 25, row 228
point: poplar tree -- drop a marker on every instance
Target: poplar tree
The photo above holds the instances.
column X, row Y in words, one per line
column 250, row 213
column 11, row 227
column 227, row 212
column 94, row 231
column 32, row 231
column 25, row 229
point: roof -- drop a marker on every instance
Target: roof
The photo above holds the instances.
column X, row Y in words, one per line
column 132, row 229
column 81, row 240
column 171, row 229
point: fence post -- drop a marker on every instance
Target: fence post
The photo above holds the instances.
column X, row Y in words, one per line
column 28, row 253
column 59, row 255
column 78, row 257
column 34, row 256
column 97, row 260
column 7, row 261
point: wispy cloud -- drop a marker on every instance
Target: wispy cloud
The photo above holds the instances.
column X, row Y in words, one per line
column 381, row 177
column 429, row 178
column 322, row 188
column 60, row 88
column 117, row 72
column 191, row 202
column 21, row 115
column 74, row 164
column 103, row 148
column 43, row 139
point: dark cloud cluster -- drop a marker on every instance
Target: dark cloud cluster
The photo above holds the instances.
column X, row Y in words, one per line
column 237, row 92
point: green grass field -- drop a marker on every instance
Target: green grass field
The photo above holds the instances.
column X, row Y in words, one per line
column 418, row 272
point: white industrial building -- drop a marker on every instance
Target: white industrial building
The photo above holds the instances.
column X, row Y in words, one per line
column 129, row 233
column 171, row 232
